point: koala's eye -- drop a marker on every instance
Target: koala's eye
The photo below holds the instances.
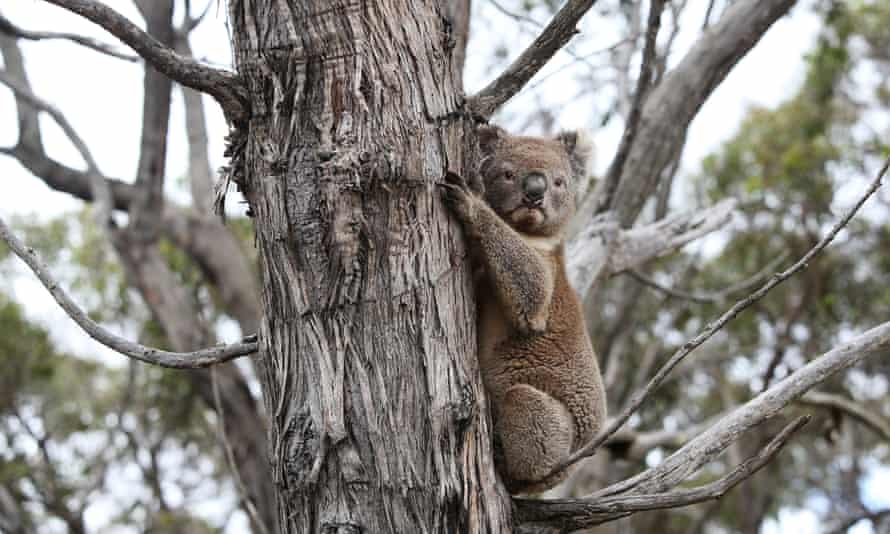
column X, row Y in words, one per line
column 509, row 176
column 559, row 182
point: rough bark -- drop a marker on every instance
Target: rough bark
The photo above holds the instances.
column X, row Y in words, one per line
column 376, row 410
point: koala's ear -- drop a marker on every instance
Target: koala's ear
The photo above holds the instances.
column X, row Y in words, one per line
column 579, row 146
column 490, row 136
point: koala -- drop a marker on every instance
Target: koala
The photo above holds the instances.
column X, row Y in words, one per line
column 538, row 365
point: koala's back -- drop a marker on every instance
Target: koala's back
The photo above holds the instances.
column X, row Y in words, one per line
column 559, row 361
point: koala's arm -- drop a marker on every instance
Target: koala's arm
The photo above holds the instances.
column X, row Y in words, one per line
column 521, row 277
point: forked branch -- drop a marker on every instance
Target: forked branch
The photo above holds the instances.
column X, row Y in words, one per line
column 573, row 514
column 222, row 85
column 177, row 360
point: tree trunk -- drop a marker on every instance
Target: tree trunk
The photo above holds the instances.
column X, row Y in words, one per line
column 376, row 406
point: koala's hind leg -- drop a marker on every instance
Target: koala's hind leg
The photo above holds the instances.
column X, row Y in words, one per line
column 535, row 431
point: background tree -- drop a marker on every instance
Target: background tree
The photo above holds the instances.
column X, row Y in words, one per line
column 342, row 119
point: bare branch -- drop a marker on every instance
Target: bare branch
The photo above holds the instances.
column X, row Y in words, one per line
column 7, row 27
column 23, row 93
column 199, row 173
column 637, row 399
column 176, row 360
column 557, row 33
column 230, row 459
column 671, row 106
column 630, row 248
column 576, row 514
column 837, row 402
column 14, row 66
column 222, row 85
column 715, row 297
column 841, row 526
column 613, row 175
column 637, row 246
column 100, row 189
column 707, row 445
column 634, row 445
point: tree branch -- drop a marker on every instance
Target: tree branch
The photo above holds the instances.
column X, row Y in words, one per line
column 841, row 526
column 14, row 66
column 671, row 106
column 7, row 27
column 628, row 249
column 558, row 32
column 707, row 445
column 222, row 85
column 714, row 297
column 837, row 402
column 176, row 360
column 249, row 506
column 637, row 399
column 99, row 188
column 571, row 514
column 644, row 81
column 199, row 173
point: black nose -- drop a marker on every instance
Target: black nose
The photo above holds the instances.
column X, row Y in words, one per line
column 534, row 186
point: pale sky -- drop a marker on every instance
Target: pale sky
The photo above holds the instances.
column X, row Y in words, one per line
column 101, row 97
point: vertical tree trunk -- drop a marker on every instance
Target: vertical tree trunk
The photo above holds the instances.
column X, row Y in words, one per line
column 370, row 380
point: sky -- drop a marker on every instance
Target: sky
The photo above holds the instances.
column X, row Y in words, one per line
column 101, row 96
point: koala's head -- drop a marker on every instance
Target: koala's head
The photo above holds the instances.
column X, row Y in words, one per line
column 531, row 182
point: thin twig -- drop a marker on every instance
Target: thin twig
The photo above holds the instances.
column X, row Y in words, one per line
column 177, row 360
column 7, row 27
column 715, row 297
column 574, row 514
column 715, row 326
column 555, row 35
column 223, row 85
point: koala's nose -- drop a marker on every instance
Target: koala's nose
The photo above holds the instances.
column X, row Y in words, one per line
column 534, row 185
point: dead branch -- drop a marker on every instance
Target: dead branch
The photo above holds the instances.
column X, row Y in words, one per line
column 849, row 407
column 558, row 32
column 222, row 85
column 637, row 399
column 176, row 360
column 573, row 514
column 7, row 27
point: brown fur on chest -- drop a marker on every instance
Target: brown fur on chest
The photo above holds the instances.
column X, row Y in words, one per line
column 559, row 361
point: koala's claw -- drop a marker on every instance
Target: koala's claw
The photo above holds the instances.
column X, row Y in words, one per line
column 455, row 180
column 456, row 195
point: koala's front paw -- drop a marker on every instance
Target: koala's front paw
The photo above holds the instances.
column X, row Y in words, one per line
column 457, row 196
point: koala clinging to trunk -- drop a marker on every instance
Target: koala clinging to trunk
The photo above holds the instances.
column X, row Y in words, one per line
column 537, row 362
